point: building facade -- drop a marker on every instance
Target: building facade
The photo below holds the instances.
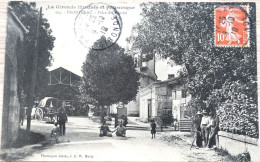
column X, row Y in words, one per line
column 180, row 99
column 166, row 98
column 155, row 100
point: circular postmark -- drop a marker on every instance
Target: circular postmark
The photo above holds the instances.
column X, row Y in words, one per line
column 232, row 26
column 98, row 26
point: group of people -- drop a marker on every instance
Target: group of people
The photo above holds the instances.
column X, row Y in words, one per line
column 105, row 131
column 207, row 127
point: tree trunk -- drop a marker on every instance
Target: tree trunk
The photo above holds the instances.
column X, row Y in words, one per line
column 28, row 114
column 34, row 74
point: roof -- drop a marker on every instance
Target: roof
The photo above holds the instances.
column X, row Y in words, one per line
column 62, row 68
column 63, row 76
column 44, row 101
column 175, row 80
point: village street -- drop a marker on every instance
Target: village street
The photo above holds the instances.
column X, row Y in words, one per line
column 82, row 143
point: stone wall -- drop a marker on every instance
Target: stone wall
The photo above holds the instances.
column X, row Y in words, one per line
column 11, row 106
column 236, row 144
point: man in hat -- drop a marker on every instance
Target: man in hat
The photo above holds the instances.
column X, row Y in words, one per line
column 204, row 125
column 198, row 129
column 62, row 118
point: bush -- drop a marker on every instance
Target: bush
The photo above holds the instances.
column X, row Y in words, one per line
column 238, row 109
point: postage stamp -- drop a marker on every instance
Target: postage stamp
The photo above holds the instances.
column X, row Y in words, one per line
column 232, row 26
column 97, row 20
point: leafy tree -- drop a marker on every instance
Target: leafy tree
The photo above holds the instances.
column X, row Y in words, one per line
column 28, row 15
column 109, row 75
column 185, row 33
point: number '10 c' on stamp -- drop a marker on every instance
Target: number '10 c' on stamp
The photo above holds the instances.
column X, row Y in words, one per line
column 231, row 26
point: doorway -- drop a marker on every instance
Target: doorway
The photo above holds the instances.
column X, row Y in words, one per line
column 149, row 103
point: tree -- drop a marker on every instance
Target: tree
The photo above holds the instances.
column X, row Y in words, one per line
column 28, row 15
column 109, row 75
column 184, row 32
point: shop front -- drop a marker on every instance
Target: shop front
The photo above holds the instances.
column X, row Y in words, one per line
column 155, row 101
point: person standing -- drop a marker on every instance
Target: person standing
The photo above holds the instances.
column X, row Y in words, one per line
column 214, row 130
column 204, row 130
column 198, row 129
column 153, row 129
column 22, row 113
column 62, row 118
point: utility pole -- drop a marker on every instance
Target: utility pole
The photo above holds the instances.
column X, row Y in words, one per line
column 34, row 73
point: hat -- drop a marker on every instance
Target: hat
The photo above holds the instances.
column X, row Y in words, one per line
column 204, row 112
column 199, row 113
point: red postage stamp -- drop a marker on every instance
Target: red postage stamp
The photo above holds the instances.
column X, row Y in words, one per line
column 231, row 26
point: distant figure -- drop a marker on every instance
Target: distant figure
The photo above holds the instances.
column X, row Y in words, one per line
column 62, row 119
column 104, row 130
column 125, row 122
column 55, row 133
column 120, row 130
column 175, row 123
column 153, row 129
column 22, row 113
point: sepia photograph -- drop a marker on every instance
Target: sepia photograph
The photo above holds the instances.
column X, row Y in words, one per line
column 129, row 81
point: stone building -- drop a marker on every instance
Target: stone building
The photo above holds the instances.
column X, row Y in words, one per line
column 11, row 107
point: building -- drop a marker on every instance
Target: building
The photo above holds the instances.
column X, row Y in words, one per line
column 180, row 99
column 64, row 85
column 11, row 106
column 63, row 76
column 167, row 97
column 155, row 100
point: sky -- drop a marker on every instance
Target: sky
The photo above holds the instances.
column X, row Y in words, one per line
column 68, row 51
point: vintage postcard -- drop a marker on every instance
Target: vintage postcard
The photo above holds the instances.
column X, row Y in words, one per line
column 129, row 81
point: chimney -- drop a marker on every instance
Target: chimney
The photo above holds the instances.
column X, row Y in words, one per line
column 170, row 76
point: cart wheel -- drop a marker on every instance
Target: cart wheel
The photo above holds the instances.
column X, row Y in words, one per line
column 39, row 114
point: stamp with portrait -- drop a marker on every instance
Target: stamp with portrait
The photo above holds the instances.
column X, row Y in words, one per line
column 231, row 26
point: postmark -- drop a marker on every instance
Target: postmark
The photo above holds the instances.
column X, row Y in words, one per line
column 96, row 21
column 232, row 26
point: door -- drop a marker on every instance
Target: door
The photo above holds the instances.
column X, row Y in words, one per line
column 149, row 103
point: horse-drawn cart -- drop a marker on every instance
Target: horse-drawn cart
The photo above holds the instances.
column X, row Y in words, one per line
column 48, row 107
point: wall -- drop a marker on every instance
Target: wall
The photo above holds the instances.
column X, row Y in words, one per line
column 177, row 101
column 237, row 144
column 11, row 106
column 145, row 95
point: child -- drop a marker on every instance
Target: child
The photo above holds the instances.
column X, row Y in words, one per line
column 55, row 132
column 104, row 130
column 120, row 130
column 153, row 129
